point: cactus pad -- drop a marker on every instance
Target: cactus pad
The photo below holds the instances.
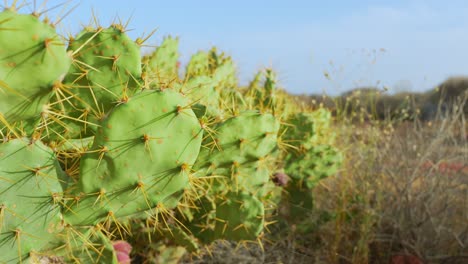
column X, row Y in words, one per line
column 32, row 59
column 30, row 195
column 141, row 155
column 239, row 216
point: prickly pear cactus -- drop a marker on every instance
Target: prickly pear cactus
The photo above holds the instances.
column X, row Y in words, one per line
column 180, row 237
column 307, row 129
column 199, row 65
column 234, row 162
column 142, row 154
column 263, row 96
column 247, row 137
column 224, row 70
column 201, row 89
column 32, row 48
column 106, row 71
column 161, row 66
column 236, row 156
column 317, row 163
column 313, row 158
column 106, row 66
column 30, row 197
column 239, row 216
column 193, row 157
column 84, row 245
column 216, row 65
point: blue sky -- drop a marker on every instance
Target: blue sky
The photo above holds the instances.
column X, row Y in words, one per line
column 411, row 45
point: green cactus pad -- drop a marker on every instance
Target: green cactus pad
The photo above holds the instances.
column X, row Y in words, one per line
column 180, row 237
column 250, row 177
column 308, row 129
column 199, row 65
column 239, row 216
column 32, row 58
column 105, row 72
column 224, row 76
column 201, row 219
column 30, row 195
column 300, row 201
column 201, row 89
column 317, row 163
column 85, row 245
column 161, row 65
column 247, row 137
column 141, row 155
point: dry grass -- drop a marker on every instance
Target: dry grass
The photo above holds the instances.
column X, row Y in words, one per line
column 398, row 198
column 403, row 190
